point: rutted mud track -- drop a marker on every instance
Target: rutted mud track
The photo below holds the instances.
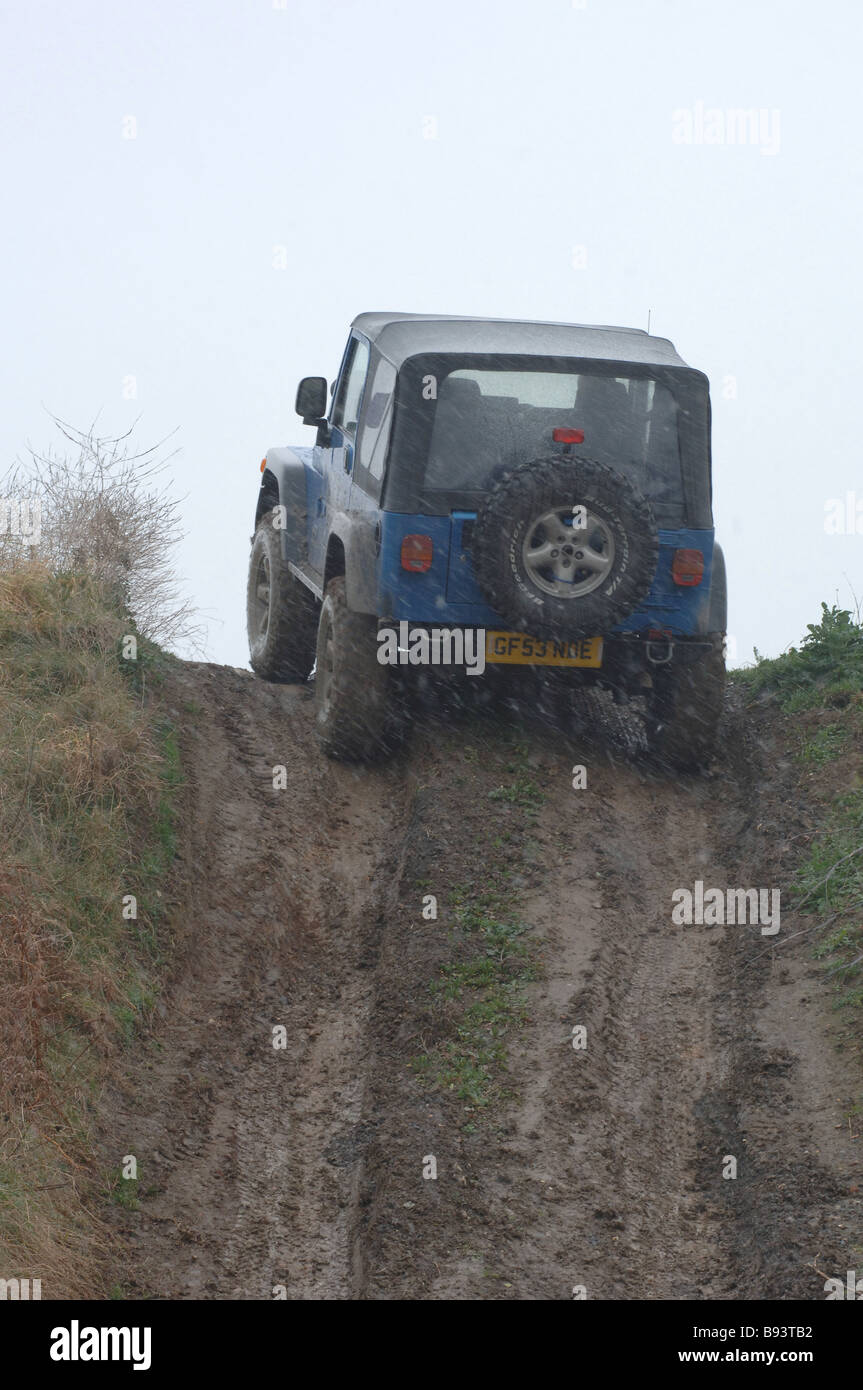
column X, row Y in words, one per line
column 302, row 1166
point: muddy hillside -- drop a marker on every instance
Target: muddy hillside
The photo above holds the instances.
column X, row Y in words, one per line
column 433, row 1032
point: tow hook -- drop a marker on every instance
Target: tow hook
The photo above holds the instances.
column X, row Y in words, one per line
column 659, row 650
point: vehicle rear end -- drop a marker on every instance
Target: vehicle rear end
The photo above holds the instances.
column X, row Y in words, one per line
column 491, row 458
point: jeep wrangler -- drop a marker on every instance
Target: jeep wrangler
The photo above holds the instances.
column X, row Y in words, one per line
column 544, row 486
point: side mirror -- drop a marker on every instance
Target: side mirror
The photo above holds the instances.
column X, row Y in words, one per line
column 312, row 399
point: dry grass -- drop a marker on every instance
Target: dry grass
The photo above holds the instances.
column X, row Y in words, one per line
column 85, row 817
column 104, row 509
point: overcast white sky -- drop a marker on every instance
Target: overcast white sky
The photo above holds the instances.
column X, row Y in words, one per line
column 492, row 157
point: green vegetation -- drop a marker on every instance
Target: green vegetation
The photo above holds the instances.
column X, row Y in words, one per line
column 521, row 792
column 821, row 684
column 825, row 744
column 830, row 884
column 124, row 1191
column 479, row 995
column 87, row 820
column 826, row 671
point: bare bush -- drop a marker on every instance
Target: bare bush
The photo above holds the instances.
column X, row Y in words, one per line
column 105, row 510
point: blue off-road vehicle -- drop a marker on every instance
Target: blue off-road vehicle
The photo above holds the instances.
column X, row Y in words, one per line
column 542, row 489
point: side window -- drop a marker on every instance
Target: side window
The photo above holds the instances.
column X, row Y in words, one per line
column 374, row 436
column 347, row 406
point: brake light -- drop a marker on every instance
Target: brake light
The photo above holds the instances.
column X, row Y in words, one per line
column 563, row 436
column 417, row 552
column 687, row 568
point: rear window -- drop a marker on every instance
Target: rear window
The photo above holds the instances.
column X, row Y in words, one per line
column 488, row 421
column 462, row 421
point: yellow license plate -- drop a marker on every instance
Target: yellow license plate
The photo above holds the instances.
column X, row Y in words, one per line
column 520, row 649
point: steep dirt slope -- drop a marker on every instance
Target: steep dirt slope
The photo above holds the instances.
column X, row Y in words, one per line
column 599, row 1169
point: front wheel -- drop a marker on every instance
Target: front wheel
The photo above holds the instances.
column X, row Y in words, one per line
column 281, row 613
column 358, row 712
column 685, row 707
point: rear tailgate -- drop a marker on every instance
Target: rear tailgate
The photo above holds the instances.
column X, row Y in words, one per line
column 667, row 605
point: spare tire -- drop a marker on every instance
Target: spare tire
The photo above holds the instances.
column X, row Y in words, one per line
column 547, row 576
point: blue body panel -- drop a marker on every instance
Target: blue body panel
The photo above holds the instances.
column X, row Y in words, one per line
column 448, row 591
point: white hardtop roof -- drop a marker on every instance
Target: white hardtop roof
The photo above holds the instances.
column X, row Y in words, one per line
column 398, row 336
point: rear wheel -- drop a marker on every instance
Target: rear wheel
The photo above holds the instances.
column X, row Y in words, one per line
column 358, row 709
column 281, row 613
column 685, row 708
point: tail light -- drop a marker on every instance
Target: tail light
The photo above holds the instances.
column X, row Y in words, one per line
column 687, row 568
column 417, row 552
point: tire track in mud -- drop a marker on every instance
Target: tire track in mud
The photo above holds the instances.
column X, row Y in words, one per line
column 647, row 1008
column 626, row 1142
column 601, row 1159
column 249, row 1148
column 302, row 1167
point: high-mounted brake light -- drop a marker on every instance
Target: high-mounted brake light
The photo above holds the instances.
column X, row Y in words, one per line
column 687, row 568
column 563, row 436
column 417, row 552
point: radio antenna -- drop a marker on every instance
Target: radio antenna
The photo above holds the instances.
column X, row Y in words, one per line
column 648, row 320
